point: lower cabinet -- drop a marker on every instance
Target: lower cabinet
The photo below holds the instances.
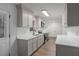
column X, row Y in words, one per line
column 32, row 46
column 27, row 47
column 63, row 50
column 40, row 40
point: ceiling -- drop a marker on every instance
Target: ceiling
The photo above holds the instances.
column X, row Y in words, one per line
column 54, row 9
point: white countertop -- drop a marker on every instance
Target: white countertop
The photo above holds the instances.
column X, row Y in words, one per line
column 68, row 40
column 27, row 36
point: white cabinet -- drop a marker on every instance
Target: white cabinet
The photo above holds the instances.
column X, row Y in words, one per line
column 40, row 40
column 22, row 47
column 32, row 46
column 27, row 47
column 24, row 17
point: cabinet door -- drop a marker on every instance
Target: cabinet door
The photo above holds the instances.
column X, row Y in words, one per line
column 24, row 19
column 34, row 44
column 73, row 14
column 30, row 45
column 39, row 41
column 42, row 39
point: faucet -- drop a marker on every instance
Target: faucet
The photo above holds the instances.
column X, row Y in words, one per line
column 34, row 31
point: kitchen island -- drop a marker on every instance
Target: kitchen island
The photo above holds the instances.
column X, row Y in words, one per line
column 67, row 45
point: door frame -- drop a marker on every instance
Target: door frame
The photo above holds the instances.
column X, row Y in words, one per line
column 6, row 15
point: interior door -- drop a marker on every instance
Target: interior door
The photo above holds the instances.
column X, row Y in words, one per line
column 4, row 33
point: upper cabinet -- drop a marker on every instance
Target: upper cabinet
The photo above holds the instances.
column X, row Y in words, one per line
column 19, row 16
column 27, row 19
column 24, row 17
column 73, row 14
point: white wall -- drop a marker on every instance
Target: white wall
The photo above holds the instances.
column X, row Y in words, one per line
column 54, row 26
column 73, row 30
column 22, row 31
column 12, row 10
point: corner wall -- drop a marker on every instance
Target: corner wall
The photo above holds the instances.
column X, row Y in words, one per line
column 11, row 8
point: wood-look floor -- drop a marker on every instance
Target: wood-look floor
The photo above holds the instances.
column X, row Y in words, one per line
column 48, row 49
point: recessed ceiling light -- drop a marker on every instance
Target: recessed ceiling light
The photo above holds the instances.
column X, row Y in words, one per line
column 45, row 12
